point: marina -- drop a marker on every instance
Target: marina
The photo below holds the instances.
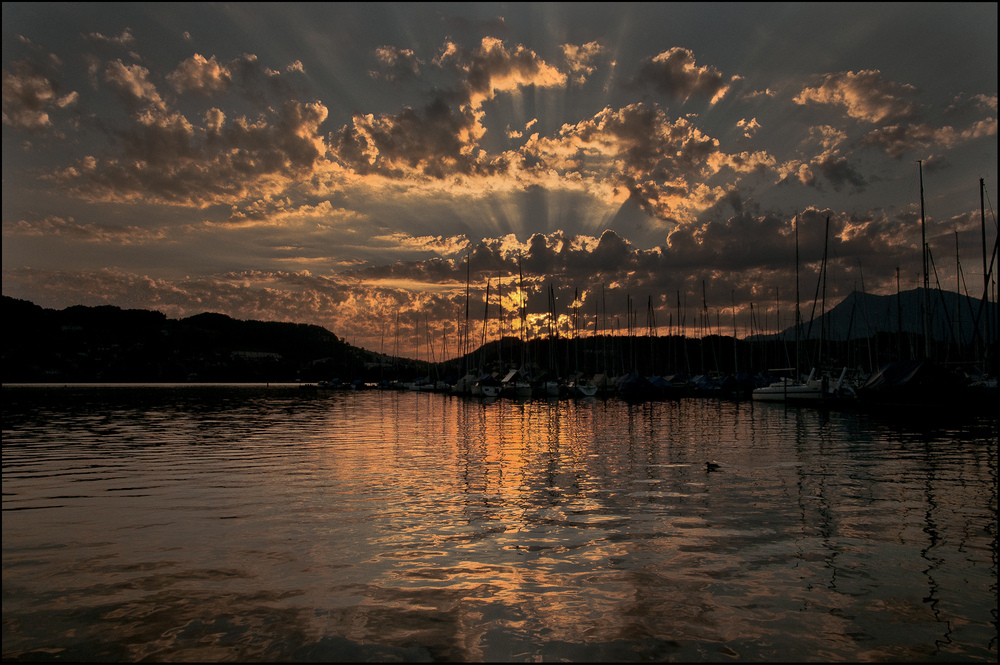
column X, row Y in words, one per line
column 517, row 332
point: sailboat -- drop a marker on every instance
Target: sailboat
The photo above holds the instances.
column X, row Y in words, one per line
column 578, row 386
column 922, row 382
column 486, row 385
column 813, row 389
column 516, row 385
column 778, row 391
column 817, row 386
column 465, row 384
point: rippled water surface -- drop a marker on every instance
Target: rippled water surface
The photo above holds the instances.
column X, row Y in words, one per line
column 262, row 523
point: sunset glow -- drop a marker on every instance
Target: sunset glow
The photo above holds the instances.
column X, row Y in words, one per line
column 339, row 164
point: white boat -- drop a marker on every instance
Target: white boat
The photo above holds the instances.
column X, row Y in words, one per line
column 518, row 389
column 515, row 385
column 486, row 386
column 812, row 390
column 464, row 386
column 787, row 390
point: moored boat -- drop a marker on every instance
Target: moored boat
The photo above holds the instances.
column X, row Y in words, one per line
column 583, row 389
column 515, row 385
column 813, row 389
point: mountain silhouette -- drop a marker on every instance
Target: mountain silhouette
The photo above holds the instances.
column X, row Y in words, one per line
column 952, row 317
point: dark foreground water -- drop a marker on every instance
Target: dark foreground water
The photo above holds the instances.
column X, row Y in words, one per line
column 272, row 524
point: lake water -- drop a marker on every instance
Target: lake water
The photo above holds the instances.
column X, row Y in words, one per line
column 268, row 523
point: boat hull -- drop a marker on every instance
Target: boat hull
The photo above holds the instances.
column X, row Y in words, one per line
column 791, row 394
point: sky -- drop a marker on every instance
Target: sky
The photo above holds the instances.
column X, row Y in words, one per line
column 376, row 168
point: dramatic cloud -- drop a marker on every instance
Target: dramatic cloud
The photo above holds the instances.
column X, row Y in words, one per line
column 839, row 172
column 159, row 155
column 749, row 127
column 579, row 57
column 556, row 147
column 433, row 142
column 437, row 244
column 396, row 63
column 897, row 140
column 124, row 39
column 442, row 139
column 662, row 163
column 169, row 160
column 281, row 213
column 492, row 68
column 864, row 95
column 69, row 228
column 133, row 83
column 200, row 75
column 29, row 95
column 675, row 73
column 828, row 137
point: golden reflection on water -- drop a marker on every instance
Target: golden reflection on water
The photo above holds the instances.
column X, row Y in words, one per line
column 412, row 526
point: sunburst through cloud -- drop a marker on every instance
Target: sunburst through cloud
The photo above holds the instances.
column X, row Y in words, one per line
column 369, row 166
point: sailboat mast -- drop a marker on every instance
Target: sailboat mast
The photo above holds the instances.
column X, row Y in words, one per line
column 653, row 333
column 986, row 278
column 736, row 359
column 503, row 367
column 576, row 330
column 923, row 251
column 705, row 323
column 982, row 220
column 468, row 281
column 521, row 309
column 958, row 292
column 604, row 330
column 679, row 340
column 486, row 320
column 552, row 329
column 822, row 314
column 798, row 322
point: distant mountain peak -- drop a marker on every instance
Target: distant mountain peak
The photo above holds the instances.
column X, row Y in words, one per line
column 860, row 315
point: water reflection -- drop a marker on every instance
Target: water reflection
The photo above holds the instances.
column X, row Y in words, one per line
column 265, row 524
